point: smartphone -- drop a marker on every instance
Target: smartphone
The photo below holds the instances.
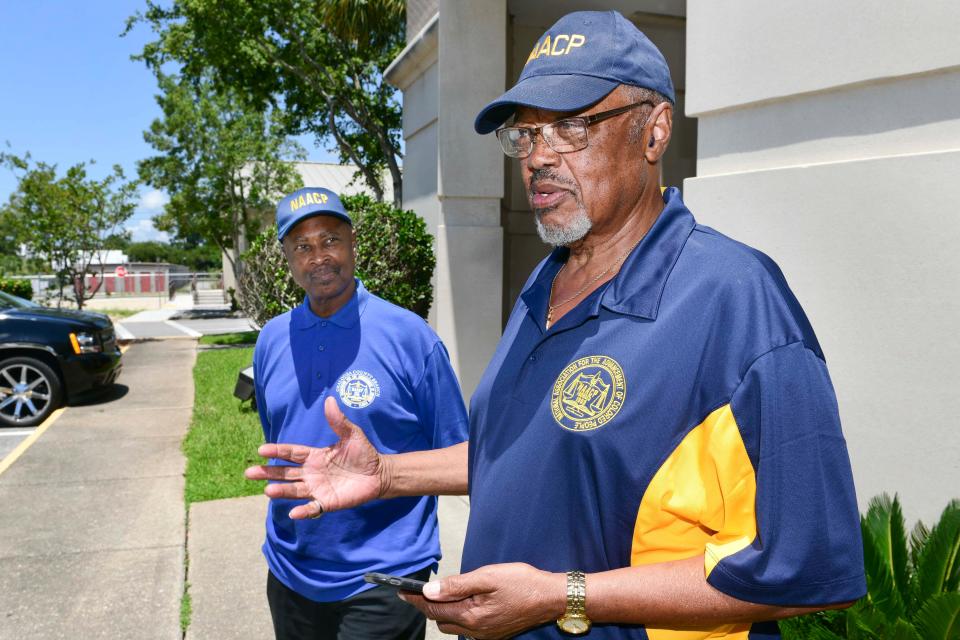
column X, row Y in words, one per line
column 407, row 584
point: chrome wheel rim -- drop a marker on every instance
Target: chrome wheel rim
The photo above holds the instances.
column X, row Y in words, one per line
column 24, row 392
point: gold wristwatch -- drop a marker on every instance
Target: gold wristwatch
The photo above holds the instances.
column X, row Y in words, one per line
column 574, row 620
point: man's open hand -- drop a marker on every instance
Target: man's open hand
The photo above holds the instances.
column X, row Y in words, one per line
column 341, row 476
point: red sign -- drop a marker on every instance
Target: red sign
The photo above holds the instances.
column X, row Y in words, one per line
column 120, row 271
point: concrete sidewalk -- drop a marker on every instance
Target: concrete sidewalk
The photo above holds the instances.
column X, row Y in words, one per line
column 92, row 533
column 228, row 574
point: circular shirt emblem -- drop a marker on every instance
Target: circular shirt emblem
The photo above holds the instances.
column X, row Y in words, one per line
column 588, row 393
column 357, row 388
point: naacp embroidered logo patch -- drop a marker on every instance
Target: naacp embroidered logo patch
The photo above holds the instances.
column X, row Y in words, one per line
column 588, row 393
column 357, row 389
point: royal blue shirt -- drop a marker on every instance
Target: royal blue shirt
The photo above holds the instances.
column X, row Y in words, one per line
column 392, row 377
column 682, row 410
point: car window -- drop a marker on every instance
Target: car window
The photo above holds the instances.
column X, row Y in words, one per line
column 8, row 301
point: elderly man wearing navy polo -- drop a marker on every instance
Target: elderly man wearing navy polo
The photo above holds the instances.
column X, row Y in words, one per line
column 346, row 356
column 655, row 448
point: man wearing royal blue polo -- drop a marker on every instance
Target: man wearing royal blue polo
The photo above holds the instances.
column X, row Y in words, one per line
column 390, row 373
column 655, row 448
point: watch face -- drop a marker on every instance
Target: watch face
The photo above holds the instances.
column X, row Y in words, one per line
column 574, row 625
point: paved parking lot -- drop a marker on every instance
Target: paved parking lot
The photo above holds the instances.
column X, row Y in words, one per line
column 10, row 439
column 177, row 323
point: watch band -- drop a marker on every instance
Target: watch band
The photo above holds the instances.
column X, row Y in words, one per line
column 576, row 593
column 574, row 620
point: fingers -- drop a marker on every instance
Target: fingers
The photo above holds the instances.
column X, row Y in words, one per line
column 296, row 453
column 271, row 472
column 335, row 418
column 460, row 587
column 312, row 509
column 450, row 617
column 288, row 490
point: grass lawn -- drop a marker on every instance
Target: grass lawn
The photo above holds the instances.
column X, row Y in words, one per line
column 117, row 314
column 244, row 337
column 224, row 433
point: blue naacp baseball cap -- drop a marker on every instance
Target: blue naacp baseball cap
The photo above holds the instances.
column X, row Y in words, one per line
column 305, row 203
column 578, row 61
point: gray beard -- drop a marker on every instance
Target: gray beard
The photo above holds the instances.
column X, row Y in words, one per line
column 559, row 236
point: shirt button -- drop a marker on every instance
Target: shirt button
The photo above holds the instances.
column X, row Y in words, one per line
column 320, row 348
column 323, row 324
column 533, row 358
column 320, row 375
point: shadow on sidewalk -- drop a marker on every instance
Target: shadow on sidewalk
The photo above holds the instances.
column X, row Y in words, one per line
column 101, row 396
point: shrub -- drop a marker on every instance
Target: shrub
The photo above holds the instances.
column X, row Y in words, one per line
column 394, row 260
column 394, row 253
column 17, row 287
column 913, row 582
column 266, row 287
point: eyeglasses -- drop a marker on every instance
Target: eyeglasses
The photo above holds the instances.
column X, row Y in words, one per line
column 563, row 136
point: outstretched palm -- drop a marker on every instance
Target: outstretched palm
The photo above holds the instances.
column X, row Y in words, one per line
column 341, row 476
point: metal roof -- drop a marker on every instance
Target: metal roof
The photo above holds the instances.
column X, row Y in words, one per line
column 339, row 178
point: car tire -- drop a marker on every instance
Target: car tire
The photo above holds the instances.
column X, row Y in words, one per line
column 29, row 392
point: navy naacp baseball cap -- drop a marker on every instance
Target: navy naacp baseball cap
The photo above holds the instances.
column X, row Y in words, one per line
column 305, row 203
column 579, row 60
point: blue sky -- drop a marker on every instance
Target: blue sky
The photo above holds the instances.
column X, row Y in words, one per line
column 70, row 93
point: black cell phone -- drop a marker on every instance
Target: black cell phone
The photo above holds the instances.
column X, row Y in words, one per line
column 407, row 584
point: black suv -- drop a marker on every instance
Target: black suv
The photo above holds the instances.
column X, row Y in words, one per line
column 49, row 355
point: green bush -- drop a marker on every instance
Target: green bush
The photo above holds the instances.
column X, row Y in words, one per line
column 394, row 253
column 913, row 582
column 20, row 288
column 266, row 287
column 394, row 260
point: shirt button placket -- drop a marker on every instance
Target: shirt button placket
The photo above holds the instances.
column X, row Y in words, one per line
column 323, row 364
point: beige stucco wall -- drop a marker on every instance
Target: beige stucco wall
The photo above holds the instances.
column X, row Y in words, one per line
column 447, row 73
column 829, row 137
column 826, row 134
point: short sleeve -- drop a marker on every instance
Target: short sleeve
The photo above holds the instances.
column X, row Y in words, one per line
column 808, row 549
column 440, row 408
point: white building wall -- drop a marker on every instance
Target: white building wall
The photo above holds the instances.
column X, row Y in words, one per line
column 447, row 73
column 829, row 138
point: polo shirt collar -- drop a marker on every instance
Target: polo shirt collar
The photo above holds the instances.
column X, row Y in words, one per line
column 346, row 316
column 637, row 288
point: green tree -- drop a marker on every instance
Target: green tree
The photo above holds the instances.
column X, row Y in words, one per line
column 913, row 582
column 10, row 260
column 117, row 241
column 322, row 61
column 65, row 220
column 222, row 161
column 149, row 251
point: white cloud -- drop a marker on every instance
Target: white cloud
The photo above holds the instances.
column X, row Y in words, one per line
column 142, row 230
column 152, row 201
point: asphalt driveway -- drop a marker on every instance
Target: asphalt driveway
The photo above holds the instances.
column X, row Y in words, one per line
column 93, row 527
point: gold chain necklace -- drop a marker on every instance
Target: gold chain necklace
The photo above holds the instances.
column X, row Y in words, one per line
column 552, row 307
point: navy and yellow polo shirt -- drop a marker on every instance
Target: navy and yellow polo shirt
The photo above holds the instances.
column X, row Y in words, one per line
column 683, row 409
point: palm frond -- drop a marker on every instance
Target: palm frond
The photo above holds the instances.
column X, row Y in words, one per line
column 362, row 21
column 938, row 563
column 864, row 622
column 885, row 520
column 902, row 630
column 882, row 591
column 939, row 619
column 820, row 633
column 918, row 538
